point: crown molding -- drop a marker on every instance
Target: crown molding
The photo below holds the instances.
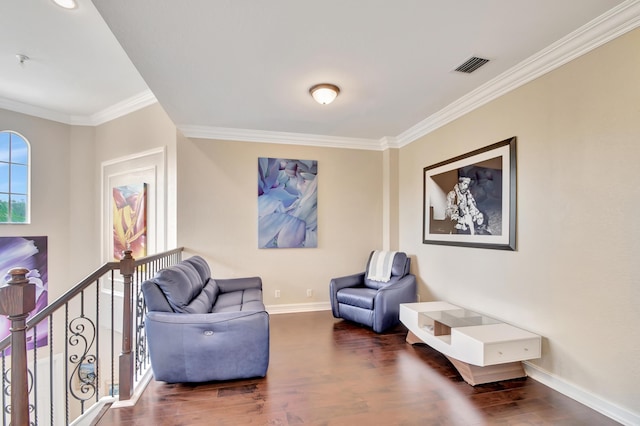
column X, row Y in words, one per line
column 47, row 114
column 120, row 109
column 617, row 21
column 263, row 136
column 390, row 142
column 127, row 106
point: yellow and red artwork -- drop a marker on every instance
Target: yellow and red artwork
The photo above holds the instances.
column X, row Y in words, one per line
column 130, row 220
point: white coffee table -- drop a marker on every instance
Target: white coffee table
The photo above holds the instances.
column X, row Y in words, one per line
column 481, row 348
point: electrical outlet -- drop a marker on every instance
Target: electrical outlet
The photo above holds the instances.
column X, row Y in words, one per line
column 277, row 294
column 309, row 292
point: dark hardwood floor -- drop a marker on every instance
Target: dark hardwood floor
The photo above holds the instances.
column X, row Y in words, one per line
column 325, row 371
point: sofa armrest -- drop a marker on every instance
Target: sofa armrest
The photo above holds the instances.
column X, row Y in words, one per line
column 388, row 299
column 205, row 347
column 336, row 284
column 235, row 284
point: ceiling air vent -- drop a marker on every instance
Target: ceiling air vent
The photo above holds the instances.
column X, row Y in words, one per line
column 471, row 65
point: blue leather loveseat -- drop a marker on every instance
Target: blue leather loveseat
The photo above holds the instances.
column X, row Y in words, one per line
column 201, row 329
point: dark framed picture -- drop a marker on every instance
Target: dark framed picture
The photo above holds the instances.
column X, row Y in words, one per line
column 470, row 200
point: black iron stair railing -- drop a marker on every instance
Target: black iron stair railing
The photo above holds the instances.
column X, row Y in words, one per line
column 73, row 343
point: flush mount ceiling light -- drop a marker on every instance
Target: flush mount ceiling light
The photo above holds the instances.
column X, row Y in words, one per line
column 324, row 93
column 67, row 4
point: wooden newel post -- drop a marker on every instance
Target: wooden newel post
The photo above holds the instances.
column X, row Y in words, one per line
column 127, row 267
column 17, row 299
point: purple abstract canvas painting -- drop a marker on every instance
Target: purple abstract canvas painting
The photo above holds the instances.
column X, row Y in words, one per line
column 29, row 253
column 287, row 203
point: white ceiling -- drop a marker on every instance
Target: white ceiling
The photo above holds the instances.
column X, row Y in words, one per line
column 77, row 68
column 241, row 70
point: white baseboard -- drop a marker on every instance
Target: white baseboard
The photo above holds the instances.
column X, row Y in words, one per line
column 91, row 415
column 137, row 391
column 609, row 409
column 298, row 307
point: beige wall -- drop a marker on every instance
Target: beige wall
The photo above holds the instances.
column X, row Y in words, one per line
column 147, row 129
column 65, row 183
column 390, row 181
column 56, row 179
column 131, row 134
column 84, row 228
column 217, row 215
column 574, row 276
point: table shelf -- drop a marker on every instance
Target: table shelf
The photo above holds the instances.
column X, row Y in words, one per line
column 480, row 345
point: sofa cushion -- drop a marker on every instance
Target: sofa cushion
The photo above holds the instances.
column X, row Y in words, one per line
column 228, row 302
column 241, row 300
column 201, row 266
column 251, row 295
column 203, row 302
column 253, row 306
column 154, row 298
column 181, row 284
column 361, row 297
column 252, row 300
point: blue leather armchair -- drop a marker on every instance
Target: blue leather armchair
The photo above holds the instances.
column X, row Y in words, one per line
column 373, row 303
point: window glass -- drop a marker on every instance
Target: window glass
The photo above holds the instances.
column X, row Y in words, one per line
column 4, row 147
column 19, row 150
column 19, row 175
column 4, row 177
column 14, row 178
column 4, row 207
column 18, row 208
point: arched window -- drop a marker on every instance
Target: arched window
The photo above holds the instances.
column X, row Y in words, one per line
column 14, row 178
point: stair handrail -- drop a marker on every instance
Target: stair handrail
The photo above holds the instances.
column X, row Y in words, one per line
column 127, row 267
column 82, row 285
column 64, row 298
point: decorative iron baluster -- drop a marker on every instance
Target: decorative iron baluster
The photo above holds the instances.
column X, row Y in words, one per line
column 141, row 341
column 66, row 364
column 87, row 381
column 4, row 387
column 6, row 391
column 97, row 364
column 34, row 387
column 113, row 351
column 30, row 387
column 51, row 405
